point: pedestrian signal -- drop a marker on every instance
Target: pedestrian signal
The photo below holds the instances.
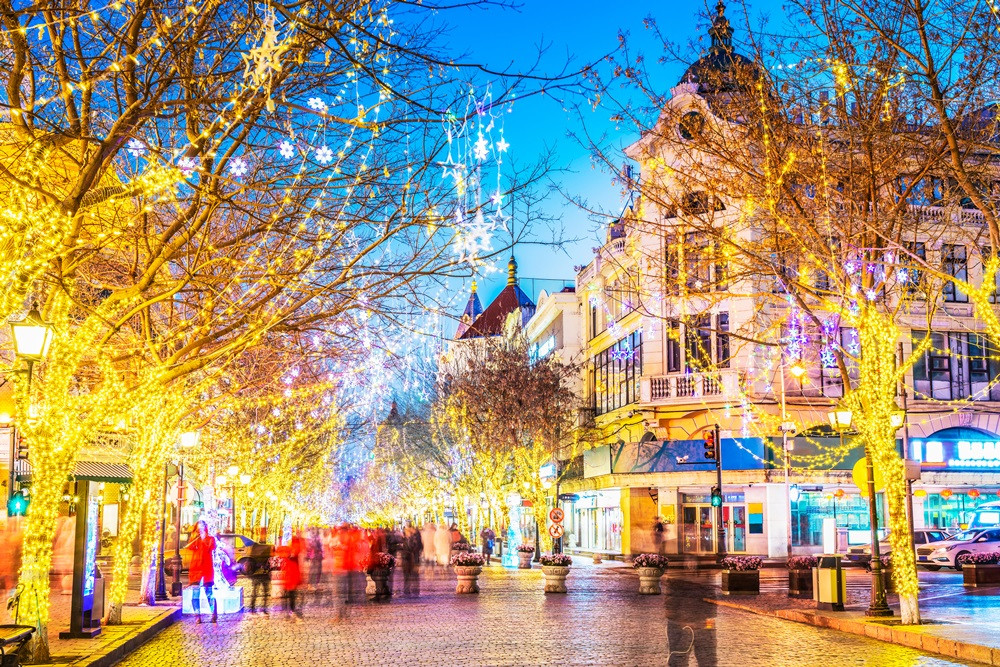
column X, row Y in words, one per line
column 716, row 497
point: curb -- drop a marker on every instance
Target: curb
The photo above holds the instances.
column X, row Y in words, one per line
column 117, row 651
column 910, row 636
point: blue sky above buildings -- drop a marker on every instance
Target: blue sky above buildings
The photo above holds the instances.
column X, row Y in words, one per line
column 579, row 31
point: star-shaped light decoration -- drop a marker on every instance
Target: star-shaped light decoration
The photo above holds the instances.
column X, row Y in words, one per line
column 481, row 148
column 265, row 59
column 497, row 198
column 317, row 104
column 502, row 145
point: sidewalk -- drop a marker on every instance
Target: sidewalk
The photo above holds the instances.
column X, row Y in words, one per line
column 140, row 624
column 958, row 623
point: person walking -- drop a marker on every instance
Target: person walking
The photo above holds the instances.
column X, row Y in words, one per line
column 260, row 578
column 442, row 545
column 658, row 530
column 291, row 573
column 201, row 572
column 413, row 546
column 427, row 537
column 488, row 539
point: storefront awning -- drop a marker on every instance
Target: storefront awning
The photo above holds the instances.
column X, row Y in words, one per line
column 94, row 471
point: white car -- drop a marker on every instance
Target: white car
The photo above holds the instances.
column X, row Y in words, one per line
column 945, row 553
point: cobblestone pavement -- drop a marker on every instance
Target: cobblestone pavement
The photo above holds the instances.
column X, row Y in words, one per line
column 601, row 621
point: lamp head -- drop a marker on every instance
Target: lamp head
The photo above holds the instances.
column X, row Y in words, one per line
column 32, row 336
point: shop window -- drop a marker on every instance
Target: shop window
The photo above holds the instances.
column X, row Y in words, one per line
column 849, row 512
column 617, row 373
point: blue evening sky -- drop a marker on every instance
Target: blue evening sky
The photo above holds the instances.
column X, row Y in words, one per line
column 581, row 31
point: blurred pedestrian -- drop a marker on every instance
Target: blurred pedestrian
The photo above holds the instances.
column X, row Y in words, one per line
column 427, row 537
column 442, row 544
column 314, row 558
column 456, row 534
column 413, row 547
column 291, row 574
column 260, row 578
column 201, row 572
column 658, row 533
column 488, row 539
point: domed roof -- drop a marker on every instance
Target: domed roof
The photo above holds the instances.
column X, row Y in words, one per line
column 722, row 70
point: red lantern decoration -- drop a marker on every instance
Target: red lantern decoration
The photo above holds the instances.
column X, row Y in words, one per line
column 973, row 493
column 839, row 493
column 946, row 493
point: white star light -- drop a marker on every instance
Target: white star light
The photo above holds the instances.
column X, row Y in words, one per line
column 286, row 149
column 187, row 165
column 502, row 145
column 497, row 198
column 480, row 150
column 317, row 104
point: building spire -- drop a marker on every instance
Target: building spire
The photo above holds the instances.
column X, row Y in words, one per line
column 512, row 271
column 720, row 32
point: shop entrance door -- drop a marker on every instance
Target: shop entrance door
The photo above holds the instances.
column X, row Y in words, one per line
column 735, row 517
column 698, row 529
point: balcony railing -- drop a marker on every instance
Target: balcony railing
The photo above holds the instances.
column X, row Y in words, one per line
column 681, row 387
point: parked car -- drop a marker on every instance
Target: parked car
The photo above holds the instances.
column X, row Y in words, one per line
column 862, row 553
column 945, row 553
column 243, row 548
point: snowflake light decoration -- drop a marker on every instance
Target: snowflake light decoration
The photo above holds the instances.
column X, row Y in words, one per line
column 324, row 155
column 136, row 148
column 187, row 165
column 317, row 104
column 238, row 167
column 286, row 149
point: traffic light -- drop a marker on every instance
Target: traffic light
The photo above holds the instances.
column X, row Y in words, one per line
column 710, row 444
column 22, row 449
column 716, row 497
column 17, row 505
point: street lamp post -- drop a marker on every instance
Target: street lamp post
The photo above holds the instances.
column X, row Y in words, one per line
column 32, row 337
column 787, row 427
column 841, row 420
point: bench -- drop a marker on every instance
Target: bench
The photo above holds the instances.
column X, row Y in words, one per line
column 12, row 639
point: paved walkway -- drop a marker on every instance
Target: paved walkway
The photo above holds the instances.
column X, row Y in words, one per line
column 602, row 621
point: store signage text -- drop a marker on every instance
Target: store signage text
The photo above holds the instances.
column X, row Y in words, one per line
column 961, row 454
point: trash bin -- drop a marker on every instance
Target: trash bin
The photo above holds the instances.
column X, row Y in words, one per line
column 829, row 585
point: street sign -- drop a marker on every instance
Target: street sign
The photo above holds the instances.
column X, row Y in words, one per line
column 556, row 531
column 860, row 475
column 556, row 515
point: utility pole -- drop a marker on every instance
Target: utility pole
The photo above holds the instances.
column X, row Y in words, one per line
column 720, row 525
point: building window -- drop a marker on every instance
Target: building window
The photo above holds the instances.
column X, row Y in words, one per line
column 722, row 341
column 850, row 513
column 955, row 366
column 698, row 344
column 913, row 275
column 672, row 330
column 697, row 262
column 617, row 373
column 671, row 265
column 955, row 264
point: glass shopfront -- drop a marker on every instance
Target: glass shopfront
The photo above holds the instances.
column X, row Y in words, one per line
column 850, row 513
column 594, row 522
column 953, row 510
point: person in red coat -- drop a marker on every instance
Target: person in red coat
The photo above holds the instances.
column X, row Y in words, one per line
column 291, row 574
column 201, row 573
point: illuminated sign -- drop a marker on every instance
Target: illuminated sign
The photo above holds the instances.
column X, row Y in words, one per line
column 969, row 454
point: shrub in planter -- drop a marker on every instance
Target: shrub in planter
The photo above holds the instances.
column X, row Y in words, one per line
column 556, row 569
column 741, row 575
column 800, row 582
column 650, row 568
column 982, row 569
column 467, row 568
column 524, row 555
column 461, row 546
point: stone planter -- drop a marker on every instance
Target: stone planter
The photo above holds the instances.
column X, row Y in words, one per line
column 378, row 584
column 555, row 578
column 975, row 576
column 800, row 584
column 468, row 578
column 746, row 582
column 524, row 559
column 649, row 580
